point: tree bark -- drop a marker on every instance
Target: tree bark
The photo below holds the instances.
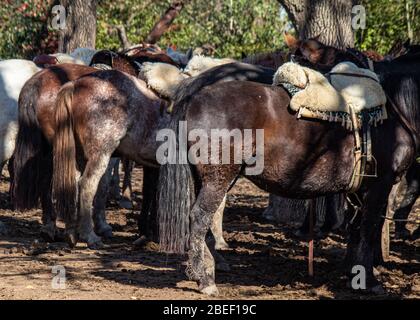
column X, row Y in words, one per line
column 80, row 30
column 330, row 19
column 165, row 21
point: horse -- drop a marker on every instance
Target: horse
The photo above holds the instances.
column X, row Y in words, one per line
column 302, row 159
column 13, row 74
column 397, row 63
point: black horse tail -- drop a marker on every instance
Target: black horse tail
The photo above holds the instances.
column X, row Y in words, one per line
column 30, row 147
column 176, row 194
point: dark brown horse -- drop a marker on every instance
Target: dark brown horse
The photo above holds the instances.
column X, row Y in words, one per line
column 302, row 159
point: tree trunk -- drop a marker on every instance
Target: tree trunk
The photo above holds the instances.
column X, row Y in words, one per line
column 80, row 30
column 330, row 19
column 165, row 21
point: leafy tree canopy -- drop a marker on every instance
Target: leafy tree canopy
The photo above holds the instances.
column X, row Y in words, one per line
column 231, row 27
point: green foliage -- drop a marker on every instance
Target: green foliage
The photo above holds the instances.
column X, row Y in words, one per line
column 233, row 27
column 24, row 28
column 386, row 22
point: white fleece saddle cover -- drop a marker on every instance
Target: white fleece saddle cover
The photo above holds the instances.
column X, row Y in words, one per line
column 165, row 78
column 313, row 96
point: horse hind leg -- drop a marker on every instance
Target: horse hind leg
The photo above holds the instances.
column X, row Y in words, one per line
column 102, row 228
column 201, row 266
column 95, row 169
column 217, row 227
column 114, row 184
column 126, row 200
column 365, row 235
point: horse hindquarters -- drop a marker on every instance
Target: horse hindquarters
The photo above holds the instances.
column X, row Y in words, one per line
column 32, row 153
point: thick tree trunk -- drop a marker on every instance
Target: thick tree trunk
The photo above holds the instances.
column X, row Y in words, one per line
column 330, row 19
column 80, row 30
column 165, row 21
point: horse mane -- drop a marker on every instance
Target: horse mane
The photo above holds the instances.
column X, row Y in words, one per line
column 266, row 59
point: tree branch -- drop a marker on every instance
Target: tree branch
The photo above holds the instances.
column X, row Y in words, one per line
column 165, row 21
column 122, row 35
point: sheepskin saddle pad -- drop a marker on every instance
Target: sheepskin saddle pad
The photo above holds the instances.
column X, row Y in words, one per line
column 165, row 78
column 350, row 87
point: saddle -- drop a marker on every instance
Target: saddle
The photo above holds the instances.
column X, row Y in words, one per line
column 344, row 90
column 347, row 94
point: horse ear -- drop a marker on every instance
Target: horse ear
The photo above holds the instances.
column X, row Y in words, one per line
column 291, row 41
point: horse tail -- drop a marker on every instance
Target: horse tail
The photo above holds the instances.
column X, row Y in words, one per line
column 64, row 184
column 31, row 146
column 176, row 197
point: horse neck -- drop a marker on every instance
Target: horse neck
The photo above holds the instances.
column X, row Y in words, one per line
column 400, row 79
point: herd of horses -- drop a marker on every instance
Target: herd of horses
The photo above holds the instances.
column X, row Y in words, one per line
column 72, row 119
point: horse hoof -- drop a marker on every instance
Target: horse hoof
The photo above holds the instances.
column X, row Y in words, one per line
column 210, row 290
column 105, row 233
column 268, row 215
column 378, row 290
column 125, row 204
column 3, row 229
column 92, row 240
column 223, row 267
column 140, row 242
column 94, row 245
column 71, row 239
column 47, row 235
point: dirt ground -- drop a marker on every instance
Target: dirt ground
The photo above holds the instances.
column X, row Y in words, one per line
column 267, row 261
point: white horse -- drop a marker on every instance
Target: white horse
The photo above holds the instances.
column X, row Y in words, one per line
column 13, row 75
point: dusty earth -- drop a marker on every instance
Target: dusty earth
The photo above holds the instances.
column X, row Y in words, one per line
column 267, row 261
